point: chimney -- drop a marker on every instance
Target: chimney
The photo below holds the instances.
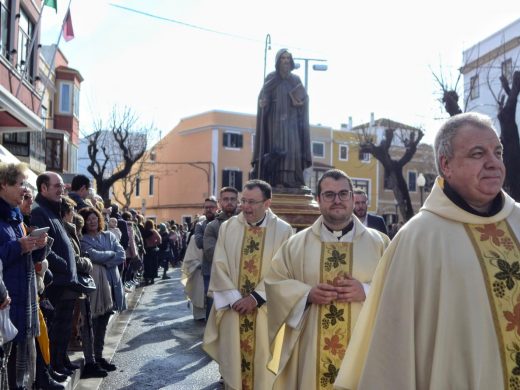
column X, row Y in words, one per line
column 350, row 123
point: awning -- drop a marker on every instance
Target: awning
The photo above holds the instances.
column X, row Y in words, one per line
column 15, row 116
column 7, row 157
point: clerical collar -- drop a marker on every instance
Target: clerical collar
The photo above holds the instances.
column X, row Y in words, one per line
column 259, row 223
column 452, row 195
column 340, row 233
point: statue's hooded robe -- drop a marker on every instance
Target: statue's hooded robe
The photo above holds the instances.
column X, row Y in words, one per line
column 282, row 145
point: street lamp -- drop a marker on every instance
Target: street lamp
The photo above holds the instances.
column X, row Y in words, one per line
column 421, row 182
column 317, row 67
column 266, row 47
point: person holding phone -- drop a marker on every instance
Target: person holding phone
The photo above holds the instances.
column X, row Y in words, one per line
column 16, row 254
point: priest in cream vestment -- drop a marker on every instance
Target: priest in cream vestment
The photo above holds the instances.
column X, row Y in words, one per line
column 236, row 332
column 192, row 279
column 316, row 287
column 444, row 306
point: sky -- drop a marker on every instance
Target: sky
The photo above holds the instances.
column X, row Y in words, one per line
column 171, row 59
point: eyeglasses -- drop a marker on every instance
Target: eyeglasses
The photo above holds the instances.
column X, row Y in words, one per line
column 330, row 196
column 251, row 202
column 26, row 197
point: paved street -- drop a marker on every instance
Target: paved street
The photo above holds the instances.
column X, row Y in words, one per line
column 161, row 345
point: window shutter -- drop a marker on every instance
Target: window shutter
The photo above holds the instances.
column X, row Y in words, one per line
column 238, row 180
column 225, row 178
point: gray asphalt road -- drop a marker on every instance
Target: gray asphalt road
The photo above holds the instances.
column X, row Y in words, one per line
column 161, row 346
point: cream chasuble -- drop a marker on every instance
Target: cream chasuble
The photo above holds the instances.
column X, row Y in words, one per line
column 307, row 353
column 192, row 279
column 239, row 342
column 443, row 305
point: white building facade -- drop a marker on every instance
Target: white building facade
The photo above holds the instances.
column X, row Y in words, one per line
column 484, row 63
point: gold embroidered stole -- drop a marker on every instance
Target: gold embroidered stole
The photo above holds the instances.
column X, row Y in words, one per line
column 498, row 253
column 334, row 320
column 248, row 279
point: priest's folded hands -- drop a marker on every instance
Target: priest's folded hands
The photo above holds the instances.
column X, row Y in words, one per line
column 245, row 305
column 344, row 289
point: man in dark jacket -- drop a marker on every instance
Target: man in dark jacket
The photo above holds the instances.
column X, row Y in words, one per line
column 228, row 204
column 210, row 210
column 79, row 188
column 121, row 224
column 62, row 264
column 360, row 210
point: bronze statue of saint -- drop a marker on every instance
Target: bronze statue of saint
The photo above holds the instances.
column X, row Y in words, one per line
column 282, row 145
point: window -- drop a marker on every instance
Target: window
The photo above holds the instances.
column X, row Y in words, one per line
column 473, row 87
column 364, row 157
column 76, row 101
column 150, row 185
column 232, row 178
column 4, row 28
column 186, row 219
column 54, row 153
column 37, row 146
column 343, row 152
column 73, row 158
column 388, row 182
column 318, row 149
column 25, row 34
column 65, row 160
column 65, row 102
column 17, row 143
column 233, row 140
column 507, row 69
column 363, row 184
column 412, row 181
column 137, row 186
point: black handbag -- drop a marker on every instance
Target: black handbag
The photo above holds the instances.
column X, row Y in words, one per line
column 85, row 284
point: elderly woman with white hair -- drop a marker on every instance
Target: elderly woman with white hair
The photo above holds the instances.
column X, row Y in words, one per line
column 19, row 273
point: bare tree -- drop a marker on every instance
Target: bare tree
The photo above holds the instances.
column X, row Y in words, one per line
column 114, row 148
column 450, row 97
column 509, row 133
column 406, row 136
column 129, row 183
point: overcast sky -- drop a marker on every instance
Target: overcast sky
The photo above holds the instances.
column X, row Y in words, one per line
column 190, row 56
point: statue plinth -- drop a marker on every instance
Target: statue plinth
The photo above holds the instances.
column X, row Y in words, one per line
column 296, row 206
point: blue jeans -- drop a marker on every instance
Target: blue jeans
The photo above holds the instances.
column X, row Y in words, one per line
column 209, row 301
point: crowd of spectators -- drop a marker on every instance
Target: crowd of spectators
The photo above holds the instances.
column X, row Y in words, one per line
column 61, row 284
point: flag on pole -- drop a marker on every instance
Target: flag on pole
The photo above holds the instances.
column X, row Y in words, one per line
column 52, row 4
column 68, row 31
